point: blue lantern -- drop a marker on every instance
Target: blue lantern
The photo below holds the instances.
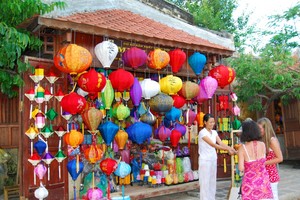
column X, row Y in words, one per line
column 72, row 168
column 108, row 131
column 139, row 132
column 174, row 114
column 40, row 147
column 197, row 62
column 123, row 169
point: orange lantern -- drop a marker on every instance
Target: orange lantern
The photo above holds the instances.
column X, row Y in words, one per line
column 92, row 118
column 72, row 59
column 121, row 139
column 93, row 153
column 199, row 118
column 189, row 90
column 73, row 138
column 158, row 59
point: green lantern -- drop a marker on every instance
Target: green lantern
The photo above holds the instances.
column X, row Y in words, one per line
column 51, row 114
column 108, row 95
column 236, row 124
column 47, row 131
column 60, row 156
column 122, row 112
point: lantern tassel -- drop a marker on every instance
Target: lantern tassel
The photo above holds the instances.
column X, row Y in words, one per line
column 34, row 178
column 108, row 188
column 123, row 191
column 225, row 167
column 77, row 163
column 31, row 147
column 30, row 111
column 93, row 179
column 48, row 172
column 74, row 191
column 189, row 139
column 59, row 171
column 46, row 108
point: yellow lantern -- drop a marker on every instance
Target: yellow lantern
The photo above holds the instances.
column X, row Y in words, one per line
column 122, row 112
column 121, row 139
column 170, row 84
column 73, row 138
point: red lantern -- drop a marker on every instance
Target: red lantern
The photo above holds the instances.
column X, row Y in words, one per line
column 177, row 58
column 158, row 59
column 92, row 82
column 92, row 118
column 223, row 74
column 108, row 166
column 175, row 137
column 121, row 80
column 73, row 138
column 179, row 101
column 93, row 153
column 73, row 59
column 73, row 103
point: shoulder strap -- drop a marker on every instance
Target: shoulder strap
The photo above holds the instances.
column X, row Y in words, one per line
column 255, row 149
column 246, row 152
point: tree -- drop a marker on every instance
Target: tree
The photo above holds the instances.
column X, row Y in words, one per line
column 15, row 41
column 275, row 73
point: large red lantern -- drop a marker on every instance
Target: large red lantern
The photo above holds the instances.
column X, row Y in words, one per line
column 93, row 153
column 73, row 59
column 179, row 101
column 158, row 59
column 92, row 82
column 177, row 58
column 223, row 74
column 108, row 166
column 121, row 80
column 92, row 118
column 73, row 103
column 134, row 57
column 73, row 138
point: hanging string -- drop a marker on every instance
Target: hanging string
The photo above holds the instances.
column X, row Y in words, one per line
column 186, row 61
column 93, row 46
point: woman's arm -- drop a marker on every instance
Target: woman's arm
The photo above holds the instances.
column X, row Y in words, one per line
column 218, row 145
column 226, row 147
column 274, row 145
column 241, row 160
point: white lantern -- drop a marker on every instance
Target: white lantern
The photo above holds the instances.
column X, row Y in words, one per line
column 150, row 88
column 106, row 52
column 41, row 193
column 81, row 92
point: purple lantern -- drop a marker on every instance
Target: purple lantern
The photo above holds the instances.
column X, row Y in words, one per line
column 136, row 92
column 94, row 193
column 209, row 85
column 202, row 96
column 163, row 133
column 181, row 128
column 134, row 57
column 40, row 170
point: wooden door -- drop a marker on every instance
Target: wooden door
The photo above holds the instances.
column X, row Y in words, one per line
column 57, row 188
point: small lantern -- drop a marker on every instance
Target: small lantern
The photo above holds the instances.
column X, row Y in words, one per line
column 175, row 137
column 108, row 131
column 92, row 118
column 161, row 103
column 38, row 74
column 179, row 101
column 51, row 77
column 223, row 74
column 40, row 95
column 41, row 193
column 158, row 59
column 189, row 90
column 136, row 92
column 177, row 59
column 39, row 120
column 47, row 131
column 197, row 62
column 134, row 57
column 60, row 156
column 108, row 95
column 59, row 95
column 106, row 52
column 73, row 138
column 121, row 139
column 93, row 153
column 122, row 112
column 108, row 166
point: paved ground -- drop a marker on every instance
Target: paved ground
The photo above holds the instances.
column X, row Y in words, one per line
column 289, row 186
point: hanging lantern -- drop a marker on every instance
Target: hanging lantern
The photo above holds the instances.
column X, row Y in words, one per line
column 60, row 156
column 236, row 124
column 199, row 118
column 134, row 57
column 121, row 80
column 47, row 131
column 40, row 170
column 139, row 132
column 48, row 158
column 75, row 168
column 136, row 92
column 106, row 52
column 59, row 95
column 189, row 90
column 47, row 97
column 92, row 118
column 202, row 96
column 223, row 74
column 148, row 118
column 40, row 95
column 174, row 114
column 34, row 159
column 108, row 95
column 197, row 62
column 40, row 147
column 175, row 137
column 163, row 133
column 32, row 132
column 39, row 120
column 60, row 131
column 179, row 101
column 51, row 114
column 122, row 112
column 108, row 131
column 181, row 128
column 233, row 97
column 94, row 193
column 170, row 84
column 93, row 153
column 73, row 103
column 92, row 82
column 73, row 59
column 38, row 73
column 108, row 166
column 51, row 77
column 236, row 110
column 177, row 58
column 30, row 94
column 150, row 88
column 189, row 117
column 41, row 193
column 73, row 138
column 161, row 103
column 123, row 169
column 209, row 85
column 121, row 139
column 158, row 59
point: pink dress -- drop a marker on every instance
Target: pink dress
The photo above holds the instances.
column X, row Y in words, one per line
column 272, row 169
column 256, row 184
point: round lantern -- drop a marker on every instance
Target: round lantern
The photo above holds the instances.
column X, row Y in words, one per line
column 170, row 84
column 121, row 80
column 121, row 139
column 150, row 88
column 136, row 92
column 108, row 95
column 161, row 103
column 106, row 52
column 122, row 112
column 134, row 57
column 139, row 132
column 94, row 193
column 40, row 170
column 73, row 59
column 199, row 118
column 73, row 103
column 108, row 166
column 108, row 131
column 92, row 82
column 148, row 118
column 209, row 85
column 181, row 128
column 73, row 138
column 40, row 147
column 202, row 96
column 189, row 117
column 175, row 137
column 177, row 58
column 93, row 153
column 123, row 169
column 163, row 133
column 92, row 118
column 41, row 193
column 197, row 62
column 236, row 110
column 158, row 59
column 174, row 114
column 223, row 74
column 189, row 90
column 179, row 101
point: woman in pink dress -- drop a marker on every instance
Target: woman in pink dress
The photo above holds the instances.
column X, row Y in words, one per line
column 274, row 154
column 252, row 158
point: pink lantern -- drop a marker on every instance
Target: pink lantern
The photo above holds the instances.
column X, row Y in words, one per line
column 39, row 120
column 40, row 170
column 94, row 193
column 236, row 110
column 189, row 118
column 209, row 85
column 163, row 133
column 233, row 96
column 202, row 96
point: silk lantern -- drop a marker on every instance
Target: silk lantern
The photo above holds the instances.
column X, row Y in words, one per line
column 108, row 95
column 40, row 170
column 94, row 193
column 175, row 137
column 223, row 74
column 92, row 118
column 197, row 62
column 41, row 192
column 181, row 128
column 73, row 103
column 39, row 120
column 170, row 84
column 136, row 92
column 189, row 90
column 134, row 57
column 177, row 58
column 209, row 85
column 73, row 138
column 93, row 153
column 163, row 133
column 51, row 77
column 106, row 52
column 199, row 118
column 202, row 96
column 179, row 101
column 233, row 96
column 139, row 132
column 158, row 59
column 40, row 147
column 73, row 59
column 121, row 139
column 174, row 114
column 189, row 118
column 122, row 112
column 75, row 168
column 150, row 88
column 92, row 82
column 161, row 103
column 40, row 95
column 108, row 131
column 38, row 73
column 236, row 110
column 108, row 166
column 122, row 171
column 32, row 132
column 148, row 118
column 121, row 80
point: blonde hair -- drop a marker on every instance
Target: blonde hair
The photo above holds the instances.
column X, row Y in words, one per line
column 269, row 131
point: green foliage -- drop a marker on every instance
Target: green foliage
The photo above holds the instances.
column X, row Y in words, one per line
column 15, row 41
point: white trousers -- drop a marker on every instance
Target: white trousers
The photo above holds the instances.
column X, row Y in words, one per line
column 208, row 179
column 274, row 187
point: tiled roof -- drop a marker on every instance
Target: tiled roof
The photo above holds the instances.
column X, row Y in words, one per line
column 129, row 22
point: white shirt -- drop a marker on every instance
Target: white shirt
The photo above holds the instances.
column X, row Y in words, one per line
column 207, row 152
